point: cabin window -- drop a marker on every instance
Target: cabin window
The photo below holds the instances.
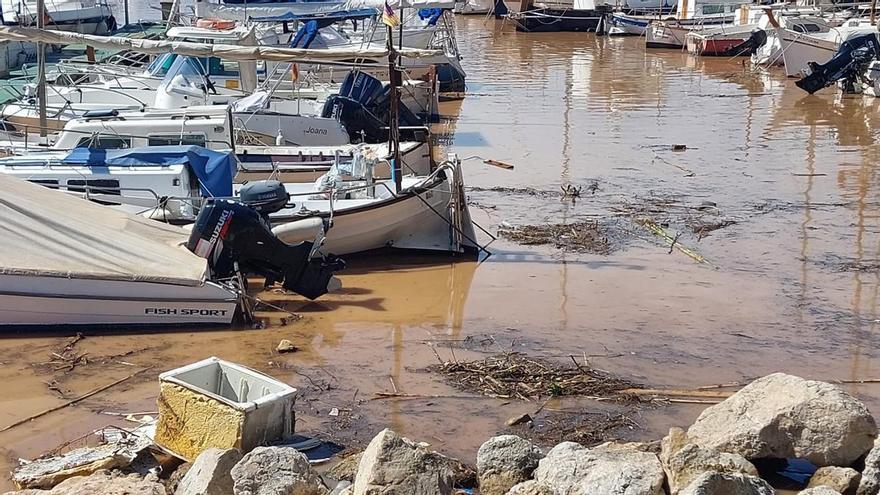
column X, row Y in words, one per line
column 95, row 186
column 104, row 142
column 184, row 140
column 50, row 183
column 713, row 9
column 806, row 28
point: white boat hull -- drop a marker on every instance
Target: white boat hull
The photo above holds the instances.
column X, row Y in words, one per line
column 409, row 221
column 46, row 301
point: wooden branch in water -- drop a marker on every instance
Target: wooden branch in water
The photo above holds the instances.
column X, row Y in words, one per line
column 499, row 164
column 74, row 401
column 660, row 232
column 671, row 392
column 392, row 395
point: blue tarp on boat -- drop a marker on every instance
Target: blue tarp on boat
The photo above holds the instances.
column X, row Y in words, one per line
column 323, row 19
column 214, row 169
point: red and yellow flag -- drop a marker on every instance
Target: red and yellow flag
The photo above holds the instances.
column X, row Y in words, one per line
column 389, row 17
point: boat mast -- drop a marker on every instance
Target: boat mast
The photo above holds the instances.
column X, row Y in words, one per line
column 393, row 119
column 41, row 72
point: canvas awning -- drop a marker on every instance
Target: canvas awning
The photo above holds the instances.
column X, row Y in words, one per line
column 226, row 52
column 323, row 19
column 51, row 233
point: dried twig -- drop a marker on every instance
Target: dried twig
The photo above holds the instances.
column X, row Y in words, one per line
column 74, row 401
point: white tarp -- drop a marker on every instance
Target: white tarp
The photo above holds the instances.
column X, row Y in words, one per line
column 226, row 52
column 54, row 234
column 399, row 4
column 242, row 12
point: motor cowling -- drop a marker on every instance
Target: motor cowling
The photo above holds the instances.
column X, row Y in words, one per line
column 235, row 237
column 265, row 196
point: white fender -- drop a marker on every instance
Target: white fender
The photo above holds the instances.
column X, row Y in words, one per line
column 299, row 231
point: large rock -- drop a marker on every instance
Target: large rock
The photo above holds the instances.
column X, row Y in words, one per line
column 784, row 416
column 48, row 472
column 530, row 487
column 572, row 469
column 843, row 480
column 504, row 461
column 347, row 468
column 690, row 461
column 393, row 465
column 275, row 471
column 210, row 474
column 870, row 483
column 715, row 483
column 103, row 483
column 819, row 490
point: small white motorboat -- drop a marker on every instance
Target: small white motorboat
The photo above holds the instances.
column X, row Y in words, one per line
column 72, row 262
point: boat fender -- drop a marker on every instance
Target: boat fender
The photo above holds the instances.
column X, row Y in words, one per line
column 161, row 214
column 299, row 230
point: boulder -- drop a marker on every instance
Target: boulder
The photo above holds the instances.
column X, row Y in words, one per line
column 504, row 461
column 394, row 465
column 575, row 470
column 210, row 474
column 843, row 480
column 49, row 471
column 690, row 461
column 347, row 468
column 672, row 443
column 870, row 482
column 343, row 488
column 530, row 487
column 101, row 482
column 274, row 471
column 715, row 483
column 819, row 490
column 783, row 416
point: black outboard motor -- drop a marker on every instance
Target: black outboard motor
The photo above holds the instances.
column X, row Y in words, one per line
column 849, row 63
column 363, row 106
column 749, row 46
column 236, row 237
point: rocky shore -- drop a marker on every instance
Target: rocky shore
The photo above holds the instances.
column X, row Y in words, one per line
column 815, row 437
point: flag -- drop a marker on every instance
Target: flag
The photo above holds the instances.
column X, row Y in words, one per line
column 389, row 17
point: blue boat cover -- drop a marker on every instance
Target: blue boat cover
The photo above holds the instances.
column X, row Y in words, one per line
column 432, row 15
column 323, row 19
column 306, row 35
column 215, row 170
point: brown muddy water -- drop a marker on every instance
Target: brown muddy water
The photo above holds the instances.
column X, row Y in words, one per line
column 792, row 286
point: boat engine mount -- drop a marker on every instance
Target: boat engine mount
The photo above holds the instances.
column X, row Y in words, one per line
column 236, row 238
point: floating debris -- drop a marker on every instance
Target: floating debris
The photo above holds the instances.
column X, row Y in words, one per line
column 587, row 236
column 513, row 375
column 587, row 428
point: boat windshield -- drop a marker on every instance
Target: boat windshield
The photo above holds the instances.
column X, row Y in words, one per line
column 185, row 74
column 160, row 66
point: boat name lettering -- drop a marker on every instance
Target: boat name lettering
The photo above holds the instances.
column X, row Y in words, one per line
column 185, row 312
column 314, row 130
column 220, row 228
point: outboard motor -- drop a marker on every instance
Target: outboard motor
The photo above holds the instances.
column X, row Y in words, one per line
column 235, row 236
column 848, row 64
column 363, row 106
column 749, row 46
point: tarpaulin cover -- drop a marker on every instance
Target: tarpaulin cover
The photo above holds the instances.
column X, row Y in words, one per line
column 226, row 52
column 214, row 169
column 324, row 19
column 52, row 233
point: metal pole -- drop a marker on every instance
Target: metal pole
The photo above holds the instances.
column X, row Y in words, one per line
column 125, row 7
column 401, row 29
column 41, row 71
column 394, row 120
